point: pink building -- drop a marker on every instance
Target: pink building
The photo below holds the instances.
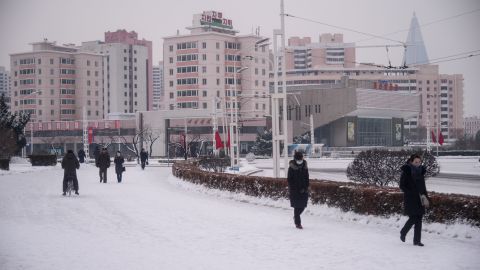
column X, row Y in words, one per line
column 330, row 51
column 55, row 83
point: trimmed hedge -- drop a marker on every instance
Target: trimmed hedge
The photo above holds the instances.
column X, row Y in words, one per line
column 5, row 164
column 43, row 160
column 358, row 198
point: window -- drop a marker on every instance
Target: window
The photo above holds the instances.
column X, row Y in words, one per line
column 52, row 102
column 218, row 69
column 187, row 69
column 51, row 61
column 204, row 105
column 171, row 71
column 88, row 62
column 204, row 57
column 218, row 45
column 184, row 81
column 186, row 45
column 218, row 57
column 204, row 45
column 171, row 95
column 171, row 83
column 170, row 48
column 186, row 57
column 171, row 60
column 51, row 71
column 204, row 69
column 204, row 93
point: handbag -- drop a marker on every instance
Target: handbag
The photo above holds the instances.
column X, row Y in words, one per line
column 123, row 168
column 424, row 201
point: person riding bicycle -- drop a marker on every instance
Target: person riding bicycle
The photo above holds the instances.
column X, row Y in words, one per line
column 70, row 165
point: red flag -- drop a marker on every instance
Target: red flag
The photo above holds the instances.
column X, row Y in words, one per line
column 218, row 141
column 434, row 139
column 440, row 137
column 228, row 140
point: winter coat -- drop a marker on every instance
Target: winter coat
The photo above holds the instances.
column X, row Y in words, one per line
column 412, row 189
column 298, row 182
column 119, row 160
column 103, row 161
column 96, row 153
column 70, row 165
column 143, row 156
column 81, row 155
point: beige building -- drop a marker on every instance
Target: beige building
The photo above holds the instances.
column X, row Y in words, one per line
column 472, row 126
column 199, row 73
column 329, row 51
column 442, row 94
column 55, row 83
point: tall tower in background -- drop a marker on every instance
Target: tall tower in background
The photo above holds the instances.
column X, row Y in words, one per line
column 416, row 53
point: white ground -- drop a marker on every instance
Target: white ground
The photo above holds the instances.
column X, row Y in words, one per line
column 155, row 221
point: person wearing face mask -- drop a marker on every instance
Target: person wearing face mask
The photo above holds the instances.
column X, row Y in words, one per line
column 298, row 182
column 412, row 183
column 119, row 167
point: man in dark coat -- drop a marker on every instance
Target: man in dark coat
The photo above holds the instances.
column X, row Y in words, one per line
column 143, row 158
column 412, row 183
column 298, row 183
column 103, row 163
column 70, row 165
column 96, row 153
column 119, row 168
column 81, row 155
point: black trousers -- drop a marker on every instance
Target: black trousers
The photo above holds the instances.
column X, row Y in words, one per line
column 296, row 215
column 65, row 183
column 103, row 175
column 143, row 165
column 417, row 231
column 119, row 177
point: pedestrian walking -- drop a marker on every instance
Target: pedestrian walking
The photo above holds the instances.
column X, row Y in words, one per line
column 81, row 156
column 119, row 167
column 144, row 158
column 70, row 165
column 298, row 183
column 103, row 163
column 412, row 183
column 96, row 153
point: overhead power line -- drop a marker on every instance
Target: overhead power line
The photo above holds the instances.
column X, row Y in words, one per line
column 425, row 24
column 345, row 28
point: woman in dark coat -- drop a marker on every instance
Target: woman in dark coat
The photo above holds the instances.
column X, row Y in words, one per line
column 119, row 168
column 298, row 182
column 70, row 165
column 412, row 183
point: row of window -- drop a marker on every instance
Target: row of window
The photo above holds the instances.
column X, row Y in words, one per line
column 69, row 71
column 186, row 93
column 185, row 81
column 68, row 101
column 186, row 45
column 187, row 57
column 65, row 61
column 188, row 69
column 67, row 91
column 27, row 101
column 27, row 71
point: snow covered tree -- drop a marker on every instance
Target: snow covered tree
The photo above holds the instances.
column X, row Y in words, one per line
column 263, row 144
column 382, row 167
column 302, row 139
column 11, row 130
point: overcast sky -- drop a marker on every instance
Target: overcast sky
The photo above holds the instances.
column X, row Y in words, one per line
column 68, row 21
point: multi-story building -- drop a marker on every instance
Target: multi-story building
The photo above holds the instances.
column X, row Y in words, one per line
column 158, row 87
column 472, row 126
column 127, row 69
column 56, row 83
column 442, row 94
column 329, row 51
column 204, row 69
column 5, row 84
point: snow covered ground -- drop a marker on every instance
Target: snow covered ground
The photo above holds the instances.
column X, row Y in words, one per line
column 154, row 221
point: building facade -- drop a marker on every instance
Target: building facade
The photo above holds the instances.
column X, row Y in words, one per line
column 57, row 83
column 329, row 51
column 127, row 71
column 158, row 86
column 206, row 68
column 5, row 83
column 472, row 126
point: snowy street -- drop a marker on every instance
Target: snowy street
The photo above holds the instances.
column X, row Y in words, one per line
column 154, row 221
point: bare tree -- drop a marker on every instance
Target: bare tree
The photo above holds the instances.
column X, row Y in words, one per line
column 150, row 136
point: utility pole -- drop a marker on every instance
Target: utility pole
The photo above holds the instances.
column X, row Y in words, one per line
column 312, row 136
column 85, row 135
